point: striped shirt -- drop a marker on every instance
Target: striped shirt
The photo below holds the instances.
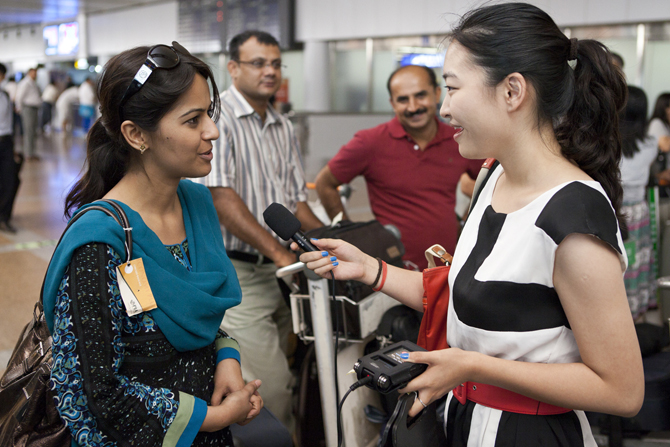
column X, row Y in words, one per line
column 260, row 161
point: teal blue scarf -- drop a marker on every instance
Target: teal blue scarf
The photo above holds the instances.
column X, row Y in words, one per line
column 191, row 304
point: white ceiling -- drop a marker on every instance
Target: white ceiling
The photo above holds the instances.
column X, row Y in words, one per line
column 25, row 12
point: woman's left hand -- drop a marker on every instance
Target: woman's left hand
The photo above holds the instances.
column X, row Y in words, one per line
column 227, row 379
column 446, row 370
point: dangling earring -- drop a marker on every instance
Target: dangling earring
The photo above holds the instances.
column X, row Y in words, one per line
column 142, row 149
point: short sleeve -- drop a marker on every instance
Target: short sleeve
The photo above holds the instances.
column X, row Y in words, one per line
column 352, row 159
column 579, row 208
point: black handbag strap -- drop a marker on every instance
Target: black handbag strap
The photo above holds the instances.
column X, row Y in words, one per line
column 118, row 215
column 423, row 430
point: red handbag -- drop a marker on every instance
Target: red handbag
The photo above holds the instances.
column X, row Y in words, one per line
column 433, row 329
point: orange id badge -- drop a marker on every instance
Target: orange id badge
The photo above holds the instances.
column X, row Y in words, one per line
column 134, row 287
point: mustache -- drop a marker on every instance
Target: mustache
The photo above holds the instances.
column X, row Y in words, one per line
column 416, row 112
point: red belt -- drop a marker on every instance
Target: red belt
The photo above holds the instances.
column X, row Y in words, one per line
column 502, row 399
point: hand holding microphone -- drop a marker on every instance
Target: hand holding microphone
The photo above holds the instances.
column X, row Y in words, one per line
column 351, row 263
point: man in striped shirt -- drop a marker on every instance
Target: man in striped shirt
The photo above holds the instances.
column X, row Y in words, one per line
column 257, row 162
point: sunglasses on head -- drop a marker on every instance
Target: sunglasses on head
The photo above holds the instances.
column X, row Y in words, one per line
column 158, row 56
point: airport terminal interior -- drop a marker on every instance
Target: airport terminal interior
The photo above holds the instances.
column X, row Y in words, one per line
column 337, row 56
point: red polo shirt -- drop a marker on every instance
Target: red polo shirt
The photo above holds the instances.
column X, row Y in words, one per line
column 413, row 189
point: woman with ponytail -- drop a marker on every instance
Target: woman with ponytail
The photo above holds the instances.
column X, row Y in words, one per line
column 538, row 321
column 166, row 375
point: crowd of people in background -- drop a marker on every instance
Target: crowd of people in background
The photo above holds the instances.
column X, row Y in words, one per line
column 28, row 111
column 399, row 159
column 50, row 107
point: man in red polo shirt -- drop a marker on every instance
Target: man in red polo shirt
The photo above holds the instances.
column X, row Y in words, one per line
column 411, row 165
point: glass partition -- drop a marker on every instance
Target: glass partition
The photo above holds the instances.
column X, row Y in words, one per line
column 350, row 77
column 656, row 70
column 383, row 64
column 293, row 60
column 657, row 62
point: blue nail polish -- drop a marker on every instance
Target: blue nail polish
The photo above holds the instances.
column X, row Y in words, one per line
column 314, row 239
column 404, row 355
column 324, row 253
column 333, row 258
column 335, row 263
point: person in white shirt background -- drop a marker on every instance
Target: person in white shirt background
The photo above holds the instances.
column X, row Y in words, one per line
column 87, row 101
column 27, row 102
column 64, row 107
column 49, row 97
column 10, row 87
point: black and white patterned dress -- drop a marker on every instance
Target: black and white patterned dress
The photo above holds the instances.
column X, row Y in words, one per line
column 503, row 304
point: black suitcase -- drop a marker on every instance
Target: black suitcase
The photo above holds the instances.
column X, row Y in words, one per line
column 655, row 412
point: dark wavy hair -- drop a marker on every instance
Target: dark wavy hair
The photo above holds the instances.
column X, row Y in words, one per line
column 108, row 155
column 582, row 104
column 633, row 123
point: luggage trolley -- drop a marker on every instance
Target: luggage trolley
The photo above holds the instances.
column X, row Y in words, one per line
column 312, row 315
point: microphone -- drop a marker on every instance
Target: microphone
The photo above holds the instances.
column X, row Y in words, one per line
column 286, row 225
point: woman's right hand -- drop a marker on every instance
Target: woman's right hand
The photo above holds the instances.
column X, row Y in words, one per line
column 350, row 262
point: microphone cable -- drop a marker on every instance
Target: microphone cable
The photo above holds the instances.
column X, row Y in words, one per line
column 364, row 381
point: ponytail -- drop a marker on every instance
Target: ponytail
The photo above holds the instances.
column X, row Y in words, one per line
column 589, row 134
column 107, row 162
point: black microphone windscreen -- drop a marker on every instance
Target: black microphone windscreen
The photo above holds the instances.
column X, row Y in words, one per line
column 281, row 220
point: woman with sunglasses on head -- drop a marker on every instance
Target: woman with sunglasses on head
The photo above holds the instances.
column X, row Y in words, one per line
column 166, row 375
column 538, row 321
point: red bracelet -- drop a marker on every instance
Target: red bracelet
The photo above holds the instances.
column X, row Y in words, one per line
column 383, row 280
